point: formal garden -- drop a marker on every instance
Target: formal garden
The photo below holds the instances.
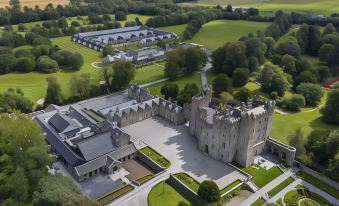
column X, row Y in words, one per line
column 304, row 197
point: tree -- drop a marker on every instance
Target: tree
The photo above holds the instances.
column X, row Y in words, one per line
column 289, row 46
column 209, row 191
column 170, row 91
column 236, row 57
column 222, row 83
column 194, row 58
column 324, row 52
column 62, row 22
column 243, row 94
column 61, row 57
column 272, row 78
column 47, row 65
column 161, row 43
column 24, row 156
column 7, row 63
column 53, row 94
column 80, row 86
column 108, row 50
column 253, row 64
column 333, row 168
column 293, row 103
column 124, row 72
column 23, row 52
column 298, row 141
column 240, row 77
column 75, row 61
column 59, row 190
column 13, row 100
column 288, row 62
column 312, row 93
column 225, row 97
column 330, row 113
column 120, row 16
column 329, row 29
column 229, row 8
column 174, row 66
column 186, row 95
column 137, row 20
column 25, row 64
column 307, row 77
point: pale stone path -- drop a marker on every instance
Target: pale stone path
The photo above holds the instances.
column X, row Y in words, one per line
column 263, row 191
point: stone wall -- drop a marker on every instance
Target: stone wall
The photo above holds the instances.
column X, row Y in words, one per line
column 149, row 162
column 280, row 150
column 319, row 176
column 185, row 191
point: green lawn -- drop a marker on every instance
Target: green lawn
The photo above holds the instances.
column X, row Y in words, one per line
column 195, row 78
column 155, row 156
column 178, row 29
column 216, row 33
column 188, row 181
column 258, row 202
column 261, row 176
column 148, row 74
column 165, row 195
column 230, row 186
column 321, row 185
column 280, row 187
column 269, row 6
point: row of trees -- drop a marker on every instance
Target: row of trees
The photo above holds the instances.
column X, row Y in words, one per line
column 183, row 61
column 171, row 92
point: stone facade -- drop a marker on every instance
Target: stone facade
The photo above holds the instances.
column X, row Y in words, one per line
column 235, row 133
column 147, row 106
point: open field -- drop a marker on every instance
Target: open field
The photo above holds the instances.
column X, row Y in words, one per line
column 216, row 33
column 178, row 29
column 314, row 6
column 32, row 3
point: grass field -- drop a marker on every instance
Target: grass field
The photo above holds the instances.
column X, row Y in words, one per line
column 32, row 3
column 178, row 29
column 314, row 6
column 216, row 33
column 163, row 194
column 261, row 176
column 280, row 187
column 34, row 84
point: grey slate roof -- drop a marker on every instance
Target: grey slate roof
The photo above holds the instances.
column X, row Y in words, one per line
column 63, row 123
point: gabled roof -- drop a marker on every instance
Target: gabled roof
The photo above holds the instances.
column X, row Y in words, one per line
column 63, row 123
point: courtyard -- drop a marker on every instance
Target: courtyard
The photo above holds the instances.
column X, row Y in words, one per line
column 180, row 148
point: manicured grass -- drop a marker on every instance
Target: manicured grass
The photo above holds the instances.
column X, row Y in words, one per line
column 148, row 74
column 178, row 29
column 230, row 186
column 144, row 179
column 261, row 176
column 312, row 6
column 258, row 202
column 321, row 185
column 188, row 181
column 155, row 156
column 195, row 78
column 164, row 194
column 294, row 196
column 216, row 33
column 280, row 187
column 114, row 194
column 279, row 202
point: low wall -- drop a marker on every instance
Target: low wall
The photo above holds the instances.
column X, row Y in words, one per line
column 319, row 176
column 149, row 162
column 280, row 150
column 185, row 191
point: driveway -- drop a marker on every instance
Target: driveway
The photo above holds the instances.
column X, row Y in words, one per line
column 177, row 145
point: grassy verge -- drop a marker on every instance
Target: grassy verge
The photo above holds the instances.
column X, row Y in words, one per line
column 280, row 187
column 258, row 202
column 155, row 156
column 145, row 178
column 114, row 194
column 188, row 181
column 261, row 176
column 321, row 185
column 230, row 186
column 164, row 194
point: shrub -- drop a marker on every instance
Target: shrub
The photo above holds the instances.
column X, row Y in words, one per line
column 209, row 191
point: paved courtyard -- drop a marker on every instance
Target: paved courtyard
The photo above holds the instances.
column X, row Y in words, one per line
column 136, row 169
column 177, row 145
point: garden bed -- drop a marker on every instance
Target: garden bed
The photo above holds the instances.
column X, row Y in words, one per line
column 155, row 156
column 144, row 179
column 109, row 197
column 188, row 181
column 230, row 186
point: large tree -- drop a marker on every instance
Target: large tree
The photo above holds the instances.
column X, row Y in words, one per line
column 222, row 83
column 170, row 91
column 59, row 190
column 13, row 100
column 273, row 79
column 330, row 112
column 80, row 86
column 209, row 191
column 124, row 72
column 23, row 155
column 53, row 94
column 311, row 92
column 240, row 77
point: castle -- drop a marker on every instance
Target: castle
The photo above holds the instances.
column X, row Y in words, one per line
column 88, row 136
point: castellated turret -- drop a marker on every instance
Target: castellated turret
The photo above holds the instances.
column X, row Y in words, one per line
column 233, row 134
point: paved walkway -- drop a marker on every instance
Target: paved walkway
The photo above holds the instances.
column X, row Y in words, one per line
column 203, row 74
column 263, row 191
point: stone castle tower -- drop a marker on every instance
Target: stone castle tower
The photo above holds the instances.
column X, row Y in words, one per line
column 234, row 134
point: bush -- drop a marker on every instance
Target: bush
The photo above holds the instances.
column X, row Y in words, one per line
column 294, row 102
column 47, row 65
column 311, row 92
column 240, row 77
column 25, row 64
column 120, row 16
column 209, row 191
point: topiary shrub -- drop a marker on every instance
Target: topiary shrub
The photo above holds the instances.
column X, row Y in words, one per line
column 209, row 191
